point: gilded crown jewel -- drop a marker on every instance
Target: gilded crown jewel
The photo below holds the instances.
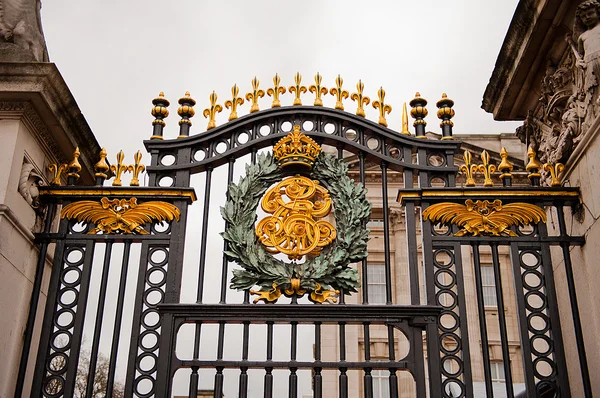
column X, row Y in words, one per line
column 296, row 149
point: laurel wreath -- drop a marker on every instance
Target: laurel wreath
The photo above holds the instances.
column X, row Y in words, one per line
column 331, row 269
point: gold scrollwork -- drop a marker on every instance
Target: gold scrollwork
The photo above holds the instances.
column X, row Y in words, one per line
column 317, row 296
column 483, row 217
column 124, row 216
column 292, row 228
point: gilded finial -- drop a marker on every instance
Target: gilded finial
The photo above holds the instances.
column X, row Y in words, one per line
column 405, row 130
column 468, row 169
column 56, row 170
column 296, row 148
column 186, row 110
column 211, row 112
column 101, row 167
column 339, row 93
column 445, row 113
column 534, row 166
column 254, row 95
column 318, row 90
column 418, row 112
column 74, row 167
column 297, row 88
column 382, row 106
column 360, row 99
column 118, row 169
column 555, row 170
column 136, row 169
column 234, row 102
column 505, row 167
column 160, row 111
column 275, row 91
column 487, row 169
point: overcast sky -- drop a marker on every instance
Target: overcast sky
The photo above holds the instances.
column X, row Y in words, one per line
column 116, row 56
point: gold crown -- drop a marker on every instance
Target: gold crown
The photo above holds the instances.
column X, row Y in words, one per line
column 296, row 148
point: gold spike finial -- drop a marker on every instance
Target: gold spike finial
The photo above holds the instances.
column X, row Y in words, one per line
column 118, row 169
column 382, row 106
column 339, row 93
column 505, row 167
column 405, row 130
column 101, row 167
column 360, row 99
column 555, row 170
column 234, row 102
column 136, row 169
column 318, row 90
column 534, row 166
column 487, row 169
column 297, row 88
column 275, row 91
column 254, row 95
column 468, row 169
column 211, row 112
column 74, row 166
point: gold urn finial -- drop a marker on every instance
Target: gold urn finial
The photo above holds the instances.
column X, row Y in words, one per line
column 505, row 167
column 186, row 110
column 234, row 102
column 297, row 88
column 136, row 169
column 405, row 129
column 339, row 93
column 74, row 166
column 211, row 112
column 275, row 91
column 254, row 95
column 296, row 149
column 360, row 99
column 159, row 110
column 534, row 166
column 418, row 112
column 382, row 106
column 445, row 111
column 318, row 90
column 101, row 168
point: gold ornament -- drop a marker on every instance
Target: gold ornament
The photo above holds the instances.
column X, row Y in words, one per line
column 534, row 166
column 484, row 217
column 293, row 228
column 254, row 95
column 405, row 129
column 358, row 97
column 234, row 102
column 318, row 90
column 118, row 169
column 136, row 169
column 487, row 169
column 339, row 93
column 56, row 170
column 296, row 148
column 468, row 169
column 382, row 106
column 101, row 167
column 124, row 216
column 275, row 91
column 211, row 112
column 555, row 170
column 297, row 89
column 505, row 166
column 74, row 167
column 186, row 110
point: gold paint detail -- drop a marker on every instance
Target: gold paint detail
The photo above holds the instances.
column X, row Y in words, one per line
column 234, row 102
column 136, row 169
column 339, row 92
column 118, row 169
column 468, row 169
column 405, row 129
column 254, row 95
column 296, row 148
column 320, row 296
column 491, row 193
column 554, row 170
column 505, row 167
column 212, row 111
column 534, row 166
column 318, row 90
column 269, row 296
column 445, row 111
column 382, row 106
column 123, row 216
column 186, row 110
column 159, row 110
column 74, row 166
column 360, row 98
column 276, row 91
column 317, row 296
column 487, row 169
column 101, row 168
column 484, row 217
column 295, row 288
column 57, row 170
column 418, row 110
column 293, row 227
column 297, row 89
column 113, row 191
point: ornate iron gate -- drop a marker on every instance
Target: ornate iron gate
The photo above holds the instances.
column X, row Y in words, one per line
column 98, row 221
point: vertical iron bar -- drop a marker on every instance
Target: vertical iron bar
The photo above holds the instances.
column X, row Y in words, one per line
column 367, row 379
column 318, row 379
column 482, row 322
column 33, row 302
column 269, row 371
column 341, row 296
column 393, row 378
column 583, row 365
column 368, row 383
column 204, row 234
column 218, row 393
column 502, row 319
column 343, row 379
column 293, row 384
column 365, row 276
column 193, row 392
column 112, row 365
column 293, row 378
column 223, row 298
column 243, row 384
column 386, row 234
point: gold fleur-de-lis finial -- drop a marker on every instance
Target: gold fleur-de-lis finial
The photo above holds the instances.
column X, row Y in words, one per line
column 56, row 170
column 234, row 102
column 101, row 167
column 468, row 169
column 487, row 169
column 297, row 89
column 555, row 170
column 118, row 169
column 211, row 112
column 505, row 167
column 405, row 129
column 275, row 91
column 339, row 93
column 136, row 169
column 358, row 97
column 318, row 90
column 382, row 106
column 254, row 95
column 74, row 166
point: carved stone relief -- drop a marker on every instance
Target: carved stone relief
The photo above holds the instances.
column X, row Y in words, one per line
column 30, row 180
column 21, row 35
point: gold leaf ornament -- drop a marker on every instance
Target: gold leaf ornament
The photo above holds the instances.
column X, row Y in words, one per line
column 382, row 106
column 339, row 92
column 275, row 91
column 297, row 89
column 254, row 95
column 124, row 216
column 318, row 90
column 234, row 102
column 212, row 111
column 360, row 99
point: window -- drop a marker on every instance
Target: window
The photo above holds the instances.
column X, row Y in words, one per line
column 497, row 369
column 375, row 222
column 489, row 286
column 376, row 283
column 381, row 384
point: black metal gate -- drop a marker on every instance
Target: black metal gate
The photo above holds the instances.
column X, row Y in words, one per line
column 179, row 341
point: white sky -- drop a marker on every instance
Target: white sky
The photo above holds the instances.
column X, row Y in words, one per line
column 117, row 55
